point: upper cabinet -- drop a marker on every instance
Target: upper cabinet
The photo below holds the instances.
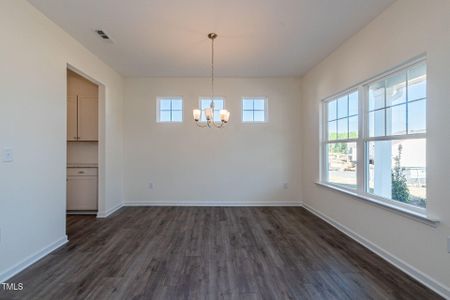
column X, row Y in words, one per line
column 72, row 123
column 82, row 108
column 87, row 118
column 82, row 118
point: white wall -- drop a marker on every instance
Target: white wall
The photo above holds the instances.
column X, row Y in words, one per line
column 407, row 29
column 240, row 164
column 34, row 54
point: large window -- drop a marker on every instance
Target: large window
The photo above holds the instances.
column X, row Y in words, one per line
column 170, row 109
column 218, row 105
column 391, row 141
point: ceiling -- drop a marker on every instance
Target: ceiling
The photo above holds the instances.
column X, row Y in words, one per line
column 169, row 37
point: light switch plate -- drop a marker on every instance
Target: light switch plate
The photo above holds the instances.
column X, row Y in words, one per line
column 7, row 155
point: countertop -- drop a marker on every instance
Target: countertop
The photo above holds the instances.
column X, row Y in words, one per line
column 82, row 166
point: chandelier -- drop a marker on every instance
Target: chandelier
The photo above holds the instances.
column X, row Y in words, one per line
column 209, row 111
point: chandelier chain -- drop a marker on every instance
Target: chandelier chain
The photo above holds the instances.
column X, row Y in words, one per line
column 212, row 72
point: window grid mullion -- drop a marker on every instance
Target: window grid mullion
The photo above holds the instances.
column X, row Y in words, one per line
column 362, row 169
column 407, row 102
column 385, row 109
column 253, row 110
column 348, row 118
column 325, row 123
column 323, row 164
column 395, row 105
column 171, row 118
column 337, row 116
column 412, row 136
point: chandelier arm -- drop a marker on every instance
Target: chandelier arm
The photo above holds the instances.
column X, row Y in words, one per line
column 200, row 125
column 212, row 115
column 214, row 124
column 218, row 125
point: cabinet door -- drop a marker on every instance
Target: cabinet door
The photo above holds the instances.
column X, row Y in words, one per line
column 72, row 119
column 82, row 193
column 87, row 118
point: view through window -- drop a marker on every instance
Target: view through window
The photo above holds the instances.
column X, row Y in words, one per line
column 218, row 105
column 254, row 110
column 341, row 161
column 170, row 109
column 397, row 142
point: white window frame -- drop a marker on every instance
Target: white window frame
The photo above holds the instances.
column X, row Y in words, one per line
column 363, row 140
column 208, row 98
column 158, row 112
column 266, row 109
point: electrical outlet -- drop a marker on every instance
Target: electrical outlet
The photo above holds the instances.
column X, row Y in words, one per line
column 7, row 155
column 150, row 185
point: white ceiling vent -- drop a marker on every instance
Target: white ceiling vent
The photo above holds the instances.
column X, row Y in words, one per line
column 103, row 35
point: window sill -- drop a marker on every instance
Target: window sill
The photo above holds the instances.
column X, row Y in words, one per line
column 254, row 122
column 434, row 222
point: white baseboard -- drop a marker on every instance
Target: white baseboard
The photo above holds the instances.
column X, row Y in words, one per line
column 81, row 212
column 219, row 203
column 4, row 276
column 105, row 214
column 423, row 278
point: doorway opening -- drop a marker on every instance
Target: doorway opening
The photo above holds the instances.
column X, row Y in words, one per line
column 82, row 145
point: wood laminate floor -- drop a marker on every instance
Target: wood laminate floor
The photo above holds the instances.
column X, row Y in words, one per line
column 212, row 253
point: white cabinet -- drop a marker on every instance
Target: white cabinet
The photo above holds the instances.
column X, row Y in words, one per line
column 87, row 118
column 82, row 189
column 72, row 123
column 82, row 118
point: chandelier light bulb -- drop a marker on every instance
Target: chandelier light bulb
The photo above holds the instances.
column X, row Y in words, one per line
column 223, row 112
column 224, row 115
column 196, row 113
column 208, row 113
column 227, row 116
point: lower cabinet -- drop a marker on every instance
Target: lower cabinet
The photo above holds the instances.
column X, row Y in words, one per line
column 82, row 189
